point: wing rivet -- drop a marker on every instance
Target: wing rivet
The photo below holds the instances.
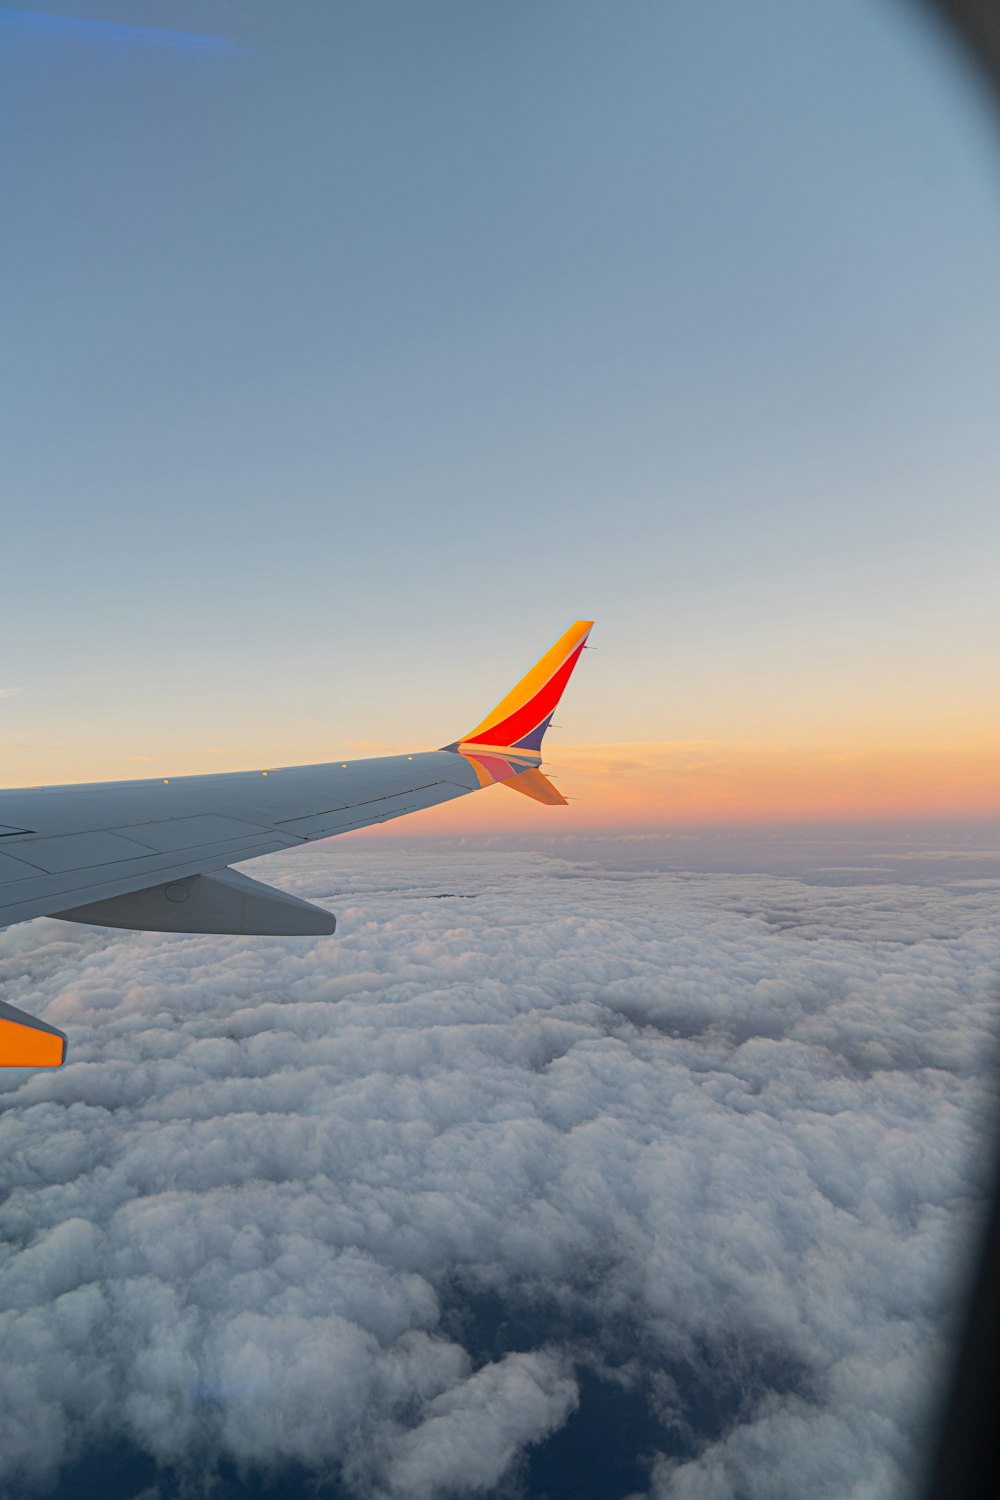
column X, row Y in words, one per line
column 166, row 781
column 263, row 773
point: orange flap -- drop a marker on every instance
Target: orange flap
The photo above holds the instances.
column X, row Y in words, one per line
column 26, row 1042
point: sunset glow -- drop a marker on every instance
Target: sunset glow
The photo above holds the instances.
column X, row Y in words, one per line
column 643, row 784
column 662, row 785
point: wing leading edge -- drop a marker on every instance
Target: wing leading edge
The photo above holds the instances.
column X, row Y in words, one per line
column 154, row 855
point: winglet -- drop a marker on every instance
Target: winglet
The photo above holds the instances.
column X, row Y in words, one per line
column 26, row 1042
column 520, row 720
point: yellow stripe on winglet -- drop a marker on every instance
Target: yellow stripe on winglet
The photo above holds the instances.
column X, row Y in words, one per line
column 532, row 681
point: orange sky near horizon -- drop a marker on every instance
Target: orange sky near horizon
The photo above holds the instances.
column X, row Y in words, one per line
column 652, row 785
column 643, row 784
column 729, row 392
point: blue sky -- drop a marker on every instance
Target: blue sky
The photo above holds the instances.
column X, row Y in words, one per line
column 347, row 362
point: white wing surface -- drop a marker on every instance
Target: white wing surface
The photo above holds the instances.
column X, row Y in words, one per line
column 61, row 847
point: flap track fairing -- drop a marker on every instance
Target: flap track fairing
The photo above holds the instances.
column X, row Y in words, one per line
column 224, row 901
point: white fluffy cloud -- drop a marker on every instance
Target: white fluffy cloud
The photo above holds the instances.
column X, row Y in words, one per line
column 711, row 1137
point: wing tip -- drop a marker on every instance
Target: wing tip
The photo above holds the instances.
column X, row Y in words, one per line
column 519, row 721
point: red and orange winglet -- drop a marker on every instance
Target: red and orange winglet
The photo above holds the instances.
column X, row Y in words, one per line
column 26, row 1042
column 508, row 742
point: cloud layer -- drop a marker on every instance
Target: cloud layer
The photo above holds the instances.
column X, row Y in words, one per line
column 711, row 1138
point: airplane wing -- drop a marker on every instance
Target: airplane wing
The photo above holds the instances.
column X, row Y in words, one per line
column 154, row 855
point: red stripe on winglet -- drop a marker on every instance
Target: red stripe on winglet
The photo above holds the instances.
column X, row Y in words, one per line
column 535, row 710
